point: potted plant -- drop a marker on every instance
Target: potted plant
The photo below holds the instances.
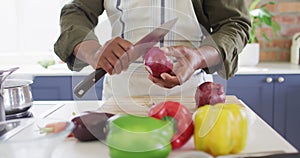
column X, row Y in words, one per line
column 260, row 17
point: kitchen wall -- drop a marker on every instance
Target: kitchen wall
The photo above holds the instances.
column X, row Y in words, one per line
column 29, row 29
column 287, row 14
column 30, row 25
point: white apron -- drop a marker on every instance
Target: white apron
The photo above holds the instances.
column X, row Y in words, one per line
column 131, row 20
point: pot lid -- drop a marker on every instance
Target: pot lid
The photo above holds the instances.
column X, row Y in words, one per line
column 4, row 76
column 10, row 83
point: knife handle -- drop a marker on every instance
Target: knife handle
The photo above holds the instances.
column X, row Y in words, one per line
column 82, row 87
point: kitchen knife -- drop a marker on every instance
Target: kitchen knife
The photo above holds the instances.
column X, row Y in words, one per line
column 139, row 49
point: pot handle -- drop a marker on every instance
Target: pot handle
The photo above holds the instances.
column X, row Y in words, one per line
column 10, row 71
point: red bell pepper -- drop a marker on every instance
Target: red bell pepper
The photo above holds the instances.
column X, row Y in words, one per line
column 181, row 116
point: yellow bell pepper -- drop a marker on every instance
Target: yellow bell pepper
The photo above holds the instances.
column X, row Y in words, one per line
column 221, row 129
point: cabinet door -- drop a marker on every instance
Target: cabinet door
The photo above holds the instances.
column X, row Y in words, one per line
column 287, row 107
column 94, row 93
column 255, row 92
column 51, row 88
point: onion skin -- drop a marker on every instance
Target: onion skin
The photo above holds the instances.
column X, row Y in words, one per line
column 90, row 126
column 209, row 93
column 157, row 62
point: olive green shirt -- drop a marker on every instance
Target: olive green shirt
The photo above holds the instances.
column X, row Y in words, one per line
column 227, row 21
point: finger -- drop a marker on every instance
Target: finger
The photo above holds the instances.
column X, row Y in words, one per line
column 107, row 66
column 162, row 83
column 165, row 49
column 124, row 44
column 120, row 50
column 112, row 59
column 157, row 81
column 120, row 63
column 114, row 54
column 174, row 51
column 123, row 57
column 125, row 61
column 117, row 67
column 183, row 73
column 182, row 64
column 153, row 79
column 99, row 60
column 173, row 80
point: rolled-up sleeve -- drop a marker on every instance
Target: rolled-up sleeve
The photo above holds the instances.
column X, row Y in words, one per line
column 77, row 22
column 228, row 22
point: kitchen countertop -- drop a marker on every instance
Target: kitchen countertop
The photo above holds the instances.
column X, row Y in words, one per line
column 270, row 68
column 30, row 71
column 262, row 137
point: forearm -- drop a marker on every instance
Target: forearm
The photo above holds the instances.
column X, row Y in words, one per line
column 77, row 21
column 209, row 56
column 229, row 42
column 228, row 22
column 86, row 51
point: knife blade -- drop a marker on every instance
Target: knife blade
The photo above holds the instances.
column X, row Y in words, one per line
column 139, row 49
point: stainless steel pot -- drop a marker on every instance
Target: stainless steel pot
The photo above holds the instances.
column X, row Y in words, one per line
column 3, row 75
column 2, row 114
column 2, row 110
column 17, row 95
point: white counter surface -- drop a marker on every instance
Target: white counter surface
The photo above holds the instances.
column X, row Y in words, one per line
column 62, row 70
column 270, row 68
column 262, row 137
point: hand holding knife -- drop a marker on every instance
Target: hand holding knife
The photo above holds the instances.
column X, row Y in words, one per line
column 140, row 48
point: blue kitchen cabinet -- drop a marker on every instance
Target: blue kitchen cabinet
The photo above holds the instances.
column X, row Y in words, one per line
column 287, row 107
column 275, row 98
column 61, row 88
column 256, row 92
column 51, row 88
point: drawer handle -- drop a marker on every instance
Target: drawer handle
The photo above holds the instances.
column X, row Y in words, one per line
column 269, row 79
column 280, row 79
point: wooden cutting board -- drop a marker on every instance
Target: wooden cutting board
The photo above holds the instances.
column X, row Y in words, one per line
column 139, row 105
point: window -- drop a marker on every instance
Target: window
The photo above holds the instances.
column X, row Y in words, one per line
column 30, row 25
column 29, row 28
